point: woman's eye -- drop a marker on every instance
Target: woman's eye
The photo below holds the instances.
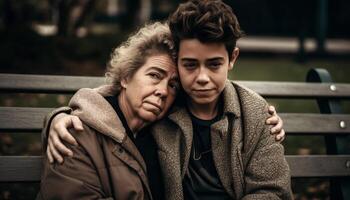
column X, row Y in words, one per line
column 175, row 86
column 155, row 76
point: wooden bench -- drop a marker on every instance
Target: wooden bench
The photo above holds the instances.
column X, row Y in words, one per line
column 330, row 123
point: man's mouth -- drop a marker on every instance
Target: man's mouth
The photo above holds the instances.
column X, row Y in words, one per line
column 202, row 91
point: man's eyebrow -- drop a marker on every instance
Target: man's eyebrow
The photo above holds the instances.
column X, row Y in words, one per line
column 188, row 59
column 215, row 59
column 210, row 59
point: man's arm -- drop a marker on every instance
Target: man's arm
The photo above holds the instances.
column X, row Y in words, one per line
column 56, row 130
column 55, row 126
column 77, row 177
column 47, row 123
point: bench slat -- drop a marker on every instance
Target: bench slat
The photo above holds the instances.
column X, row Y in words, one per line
column 20, row 168
column 320, row 124
column 22, row 119
column 298, row 90
column 16, row 168
column 47, row 83
column 319, row 165
column 70, row 84
column 31, row 119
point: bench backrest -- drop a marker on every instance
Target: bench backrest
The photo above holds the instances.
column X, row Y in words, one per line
column 29, row 119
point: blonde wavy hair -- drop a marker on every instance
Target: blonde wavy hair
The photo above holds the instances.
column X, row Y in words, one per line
column 151, row 39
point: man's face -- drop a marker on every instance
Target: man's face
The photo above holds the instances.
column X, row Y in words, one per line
column 203, row 69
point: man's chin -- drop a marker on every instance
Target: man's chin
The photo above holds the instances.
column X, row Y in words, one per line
column 203, row 100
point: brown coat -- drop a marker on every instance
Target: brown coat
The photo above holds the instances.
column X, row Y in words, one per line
column 249, row 162
column 105, row 165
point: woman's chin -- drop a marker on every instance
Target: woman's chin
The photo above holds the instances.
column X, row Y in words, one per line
column 149, row 116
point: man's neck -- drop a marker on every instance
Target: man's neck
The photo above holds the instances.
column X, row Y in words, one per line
column 204, row 111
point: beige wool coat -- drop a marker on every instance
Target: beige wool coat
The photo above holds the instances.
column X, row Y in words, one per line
column 249, row 162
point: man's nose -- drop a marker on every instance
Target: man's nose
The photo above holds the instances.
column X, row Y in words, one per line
column 203, row 77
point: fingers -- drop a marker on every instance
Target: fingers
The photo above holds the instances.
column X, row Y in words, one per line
column 281, row 136
column 60, row 127
column 272, row 110
column 64, row 134
column 277, row 127
column 61, row 147
column 49, row 156
column 54, row 152
column 273, row 120
column 77, row 124
column 277, row 124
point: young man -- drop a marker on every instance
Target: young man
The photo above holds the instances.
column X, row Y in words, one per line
column 218, row 141
column 215, row 145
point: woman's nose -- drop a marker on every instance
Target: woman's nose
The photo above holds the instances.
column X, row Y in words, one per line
column 162, row 90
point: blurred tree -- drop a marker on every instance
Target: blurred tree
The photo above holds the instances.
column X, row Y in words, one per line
column 71, row 16
column 135, row 13
column 17, row 14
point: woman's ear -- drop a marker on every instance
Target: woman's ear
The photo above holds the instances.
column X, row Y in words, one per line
column 234, row 55
column 124, row 83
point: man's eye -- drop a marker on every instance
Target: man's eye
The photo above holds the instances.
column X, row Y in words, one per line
column 189, row 65
column 215, row 65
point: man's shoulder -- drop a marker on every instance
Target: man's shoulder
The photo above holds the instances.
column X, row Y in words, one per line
column 246, row 93
column 253, row 106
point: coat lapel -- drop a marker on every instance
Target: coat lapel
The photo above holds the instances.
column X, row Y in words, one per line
column 174, row 138
column 133, row 159
column 226, row 136
column 184, row 122
column 219, row 141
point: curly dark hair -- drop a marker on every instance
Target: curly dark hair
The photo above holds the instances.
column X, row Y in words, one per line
column 205, row 20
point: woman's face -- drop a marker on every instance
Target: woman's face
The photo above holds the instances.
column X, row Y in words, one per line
column 150, row 92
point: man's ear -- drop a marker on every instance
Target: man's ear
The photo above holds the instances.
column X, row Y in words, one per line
column 234, row 55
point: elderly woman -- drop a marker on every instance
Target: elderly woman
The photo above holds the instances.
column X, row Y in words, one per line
column 115, row 158
column 109, row 161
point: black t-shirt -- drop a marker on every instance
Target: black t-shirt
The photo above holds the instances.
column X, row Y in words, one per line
column 202, row 180
column 147, row 147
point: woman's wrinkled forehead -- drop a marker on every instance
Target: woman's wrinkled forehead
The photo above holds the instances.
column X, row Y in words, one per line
column 163, row 63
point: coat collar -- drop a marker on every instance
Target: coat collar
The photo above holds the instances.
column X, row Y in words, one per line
column 231, row 100
column 231, row 108
column 230, row 103
column 94, row 110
